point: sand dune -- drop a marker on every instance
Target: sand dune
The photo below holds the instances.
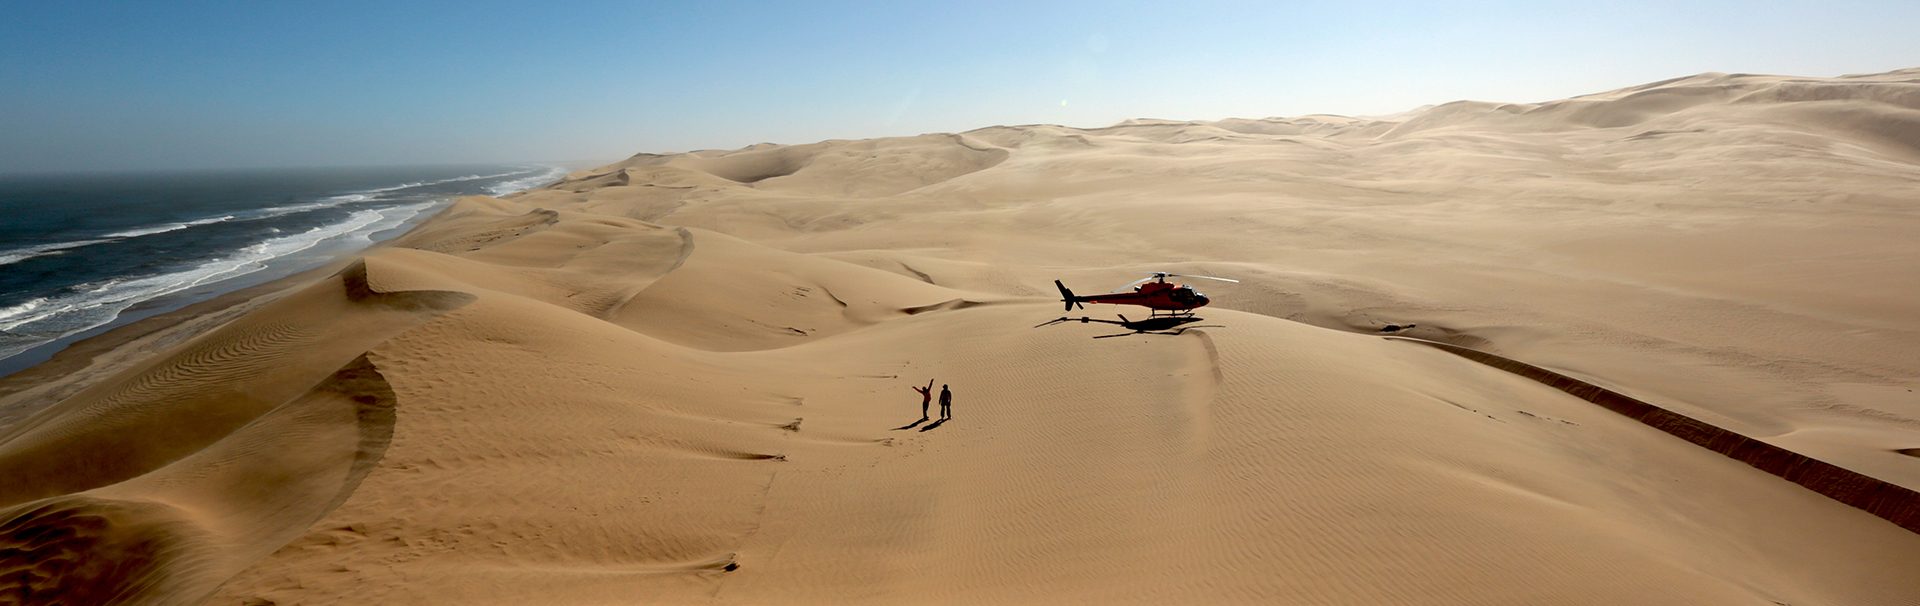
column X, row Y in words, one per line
column 684, row 378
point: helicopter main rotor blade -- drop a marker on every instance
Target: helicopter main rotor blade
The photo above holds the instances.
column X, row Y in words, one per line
column 1202, row 277
column 1161, row 275
column 1134, row 283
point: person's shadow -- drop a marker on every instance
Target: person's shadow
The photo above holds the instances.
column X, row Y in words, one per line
column 914, row 424
column 934, row 425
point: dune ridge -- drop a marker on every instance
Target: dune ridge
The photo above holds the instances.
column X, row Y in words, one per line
column 682, row 378
column 171, row 535
column 1891, row 502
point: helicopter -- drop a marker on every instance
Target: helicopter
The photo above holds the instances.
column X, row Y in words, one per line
column 1162, row 298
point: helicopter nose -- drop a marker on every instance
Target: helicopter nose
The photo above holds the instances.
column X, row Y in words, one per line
column 1200, row 300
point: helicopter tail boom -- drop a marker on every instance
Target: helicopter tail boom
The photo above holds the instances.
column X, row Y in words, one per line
column 1067, row 300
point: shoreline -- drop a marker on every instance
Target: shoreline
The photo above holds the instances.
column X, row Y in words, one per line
column 61, row 305
column 79, row 361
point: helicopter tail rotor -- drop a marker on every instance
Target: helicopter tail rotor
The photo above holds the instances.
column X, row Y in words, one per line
column 1067, row 299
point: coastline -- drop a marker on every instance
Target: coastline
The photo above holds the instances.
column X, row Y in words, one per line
column 78, row 361
column 90, row 255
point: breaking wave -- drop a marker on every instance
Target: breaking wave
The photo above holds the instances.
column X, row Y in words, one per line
column 87, row 306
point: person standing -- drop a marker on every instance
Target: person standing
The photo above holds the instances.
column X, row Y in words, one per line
column 946, row 402
column 926, row 397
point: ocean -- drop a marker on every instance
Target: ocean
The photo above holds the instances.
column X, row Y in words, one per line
column 81, row 254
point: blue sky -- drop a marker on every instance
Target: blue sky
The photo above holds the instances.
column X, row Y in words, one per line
column 152, row 85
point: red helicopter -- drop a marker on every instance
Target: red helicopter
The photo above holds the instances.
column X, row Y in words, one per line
column 1152, row 292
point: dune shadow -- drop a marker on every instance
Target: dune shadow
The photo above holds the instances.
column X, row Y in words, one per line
column 913, row 424
column 934, row 425
column 1891, row 502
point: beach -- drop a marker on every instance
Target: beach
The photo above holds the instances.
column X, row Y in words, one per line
column 688, row 378
column 85, row 253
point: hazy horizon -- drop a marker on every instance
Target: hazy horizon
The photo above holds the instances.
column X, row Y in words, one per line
column 129, row 88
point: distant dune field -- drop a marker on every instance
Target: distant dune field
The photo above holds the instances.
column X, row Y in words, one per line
column 684, row 378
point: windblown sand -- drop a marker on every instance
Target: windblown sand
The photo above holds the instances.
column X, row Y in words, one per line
column 679, row 378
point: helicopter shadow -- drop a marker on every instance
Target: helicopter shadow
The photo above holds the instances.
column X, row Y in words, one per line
column 1158, row 325
column 1171, row 333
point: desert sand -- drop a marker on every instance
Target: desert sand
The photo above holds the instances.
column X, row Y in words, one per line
column 682, row 378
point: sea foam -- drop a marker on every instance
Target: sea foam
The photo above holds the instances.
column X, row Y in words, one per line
column 161, row 229
column 80, row 307
column 86, row 306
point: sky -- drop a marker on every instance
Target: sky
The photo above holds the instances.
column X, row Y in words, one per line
column 96, row 86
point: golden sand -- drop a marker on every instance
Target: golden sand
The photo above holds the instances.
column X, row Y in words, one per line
column 682, row 378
